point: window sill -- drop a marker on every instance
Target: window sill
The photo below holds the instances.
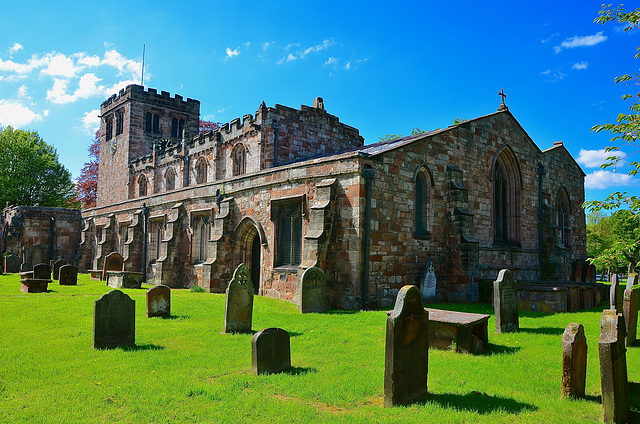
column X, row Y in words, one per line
column 286, row 269
column 422, row 236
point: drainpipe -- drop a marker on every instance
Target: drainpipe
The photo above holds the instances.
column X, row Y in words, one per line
column 53, row 225
column 368, row 175
column 541, row 173
column 145, row 223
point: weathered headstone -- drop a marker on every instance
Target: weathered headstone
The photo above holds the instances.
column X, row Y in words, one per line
column 114, row 321
column 615, row 294
column 113, row 262
column 37, row 257
column 591, row 273
column 159, row 301
column 613, row 367
column 238, row 307
column 42, row 272
column 632, row 279
column 505, row 302
column 56, row 268
column 578, row 271
column 68, row 275
column 270, row 351
column 25, row 266
column 630, row 313
column 11, row 263
column 313, row 291
column 428, row 283
column 574, row 361
column 406, row 349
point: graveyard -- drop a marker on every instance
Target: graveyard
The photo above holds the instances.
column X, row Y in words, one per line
column 184, row 368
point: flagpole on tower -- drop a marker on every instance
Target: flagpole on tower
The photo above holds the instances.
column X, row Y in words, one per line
column 142, row 77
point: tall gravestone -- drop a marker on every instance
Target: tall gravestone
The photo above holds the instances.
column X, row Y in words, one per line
column 11, row 263
column 238, row 307
column 42, row 272
column 56, row 268
column 68, row 275
column 630, row 313
column 632, row 279
column 574, row 361
column 406, row 349
column 270, row 351
column 428, row 282
column 505, row 302
column 159, row 301
column 313, row 291
column 615, row 294
column 114, row 321
column 613, row 367
column 113, row 262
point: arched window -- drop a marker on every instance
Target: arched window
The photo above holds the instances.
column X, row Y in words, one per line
column 142, row 186
column 239, row 158
column 156, row 235
column 170, row 179
column 200, row 238
column 201, row 171
column 506, row 180
column 289, row 235
column 422, row 207
column 563, row 220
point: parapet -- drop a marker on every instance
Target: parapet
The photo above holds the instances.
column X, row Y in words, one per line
column 164, row 99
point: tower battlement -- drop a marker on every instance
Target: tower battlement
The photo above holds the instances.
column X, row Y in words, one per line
column 150, row 95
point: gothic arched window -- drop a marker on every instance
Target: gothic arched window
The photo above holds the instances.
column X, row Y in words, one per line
column 289, row 235
column 563, row 220
column 200, row 238
column 170, row 179
column 239, row 159
column 201, row 171
column 506, row 197
column 142, row 186
column 422, row 207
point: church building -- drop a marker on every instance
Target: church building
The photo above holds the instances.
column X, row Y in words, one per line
column 284, row 189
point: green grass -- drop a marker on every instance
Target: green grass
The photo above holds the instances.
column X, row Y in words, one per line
column 184, row 370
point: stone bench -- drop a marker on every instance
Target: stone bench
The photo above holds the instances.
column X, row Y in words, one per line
column 34, row 285
column 124, row 279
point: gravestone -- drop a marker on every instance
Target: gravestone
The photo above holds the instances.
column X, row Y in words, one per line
column 630, row 313
column 574, row 361
column 37, row 257
column 238, row 307
column 114, row 321
column 270, row 351
column 159, row 301
column 591, row 273
column 615, row 294
column 56, row 268
column 406, row 349
column 313, row 291
column 505, row 302
column 42, row 272
column 11, row 263
column 632, row 280
column 613, row 367
column 428, row 283
column 113, row 262
column 578, row 271
column 68, row 275
column 25, row 266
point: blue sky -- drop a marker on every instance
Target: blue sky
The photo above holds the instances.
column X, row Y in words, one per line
column 381, row 67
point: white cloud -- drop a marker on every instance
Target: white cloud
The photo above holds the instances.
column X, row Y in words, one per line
column 61, row 66
column 232, row 53
column 87, row 87
column 331, row 61
column 580, row 65
column 552, row 76
column 22, row 91
column 552, row 36
column 15, row 48
column 347, row 66
column 91, row 122
column 605, row 179
column 266, row 45
column 595, row 158
column 581, row 41
column 16, row 114
column 128, row 67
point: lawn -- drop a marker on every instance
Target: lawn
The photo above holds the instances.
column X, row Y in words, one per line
column 183, row 369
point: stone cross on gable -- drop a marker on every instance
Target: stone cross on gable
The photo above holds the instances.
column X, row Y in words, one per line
column 502, row 105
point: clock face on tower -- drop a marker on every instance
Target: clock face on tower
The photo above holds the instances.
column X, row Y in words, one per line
column 113, row 145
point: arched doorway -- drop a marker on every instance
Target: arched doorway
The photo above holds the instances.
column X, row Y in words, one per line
column 250, row 239
column 254, row 263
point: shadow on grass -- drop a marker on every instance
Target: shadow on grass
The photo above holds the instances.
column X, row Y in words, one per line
column 294, row 334
column 300, row 370
column 634, row 401
column 339, row 312
column 479, row 403
column 142, row 347
column 172, row 316
column 494, row 349
column 52, row 291
column 594, row 399
column 549, row 331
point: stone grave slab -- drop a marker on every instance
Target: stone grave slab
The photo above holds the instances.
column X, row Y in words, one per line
column 159, row 301
column 313, row 291
column 114, row 321
column 406, row 349
column 630, row 313
column 468, row 331
column 113, row 262
column 56, row 268
column 428, row 282
column 505, row 296
column 11, row 263
column 574, row 361
column 615, row 294
column 68, row 275
column 613, row 367
column 238, row 308
column 124, row 279
column 270, row 351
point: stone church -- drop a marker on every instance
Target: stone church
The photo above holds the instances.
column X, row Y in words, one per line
column 284, row 189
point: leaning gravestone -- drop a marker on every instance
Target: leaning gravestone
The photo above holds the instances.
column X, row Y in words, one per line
column 613, row 367
column 159, row 301
column 270, row 351
column 56, row 268
column 505, row 302
column 406, row 349
column 68, row 275
column 114, row 321
column 630, row 313
column 428, row 283
column 113, row 262
column 238, row 307
column 574, row 361
column 632, row 280
column 313, row 291
column 615, row 294
column 11, row 263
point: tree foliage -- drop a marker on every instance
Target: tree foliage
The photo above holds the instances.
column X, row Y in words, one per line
column 207, row 126
column 390, row 137
column 613, row 240
column 87, row 183
column 30, row 173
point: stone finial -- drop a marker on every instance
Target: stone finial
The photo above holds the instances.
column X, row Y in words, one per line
column 502, row 105
column 318, row 103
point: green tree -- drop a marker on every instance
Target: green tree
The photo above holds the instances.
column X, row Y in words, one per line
column 606, row 235
column 30, row 174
